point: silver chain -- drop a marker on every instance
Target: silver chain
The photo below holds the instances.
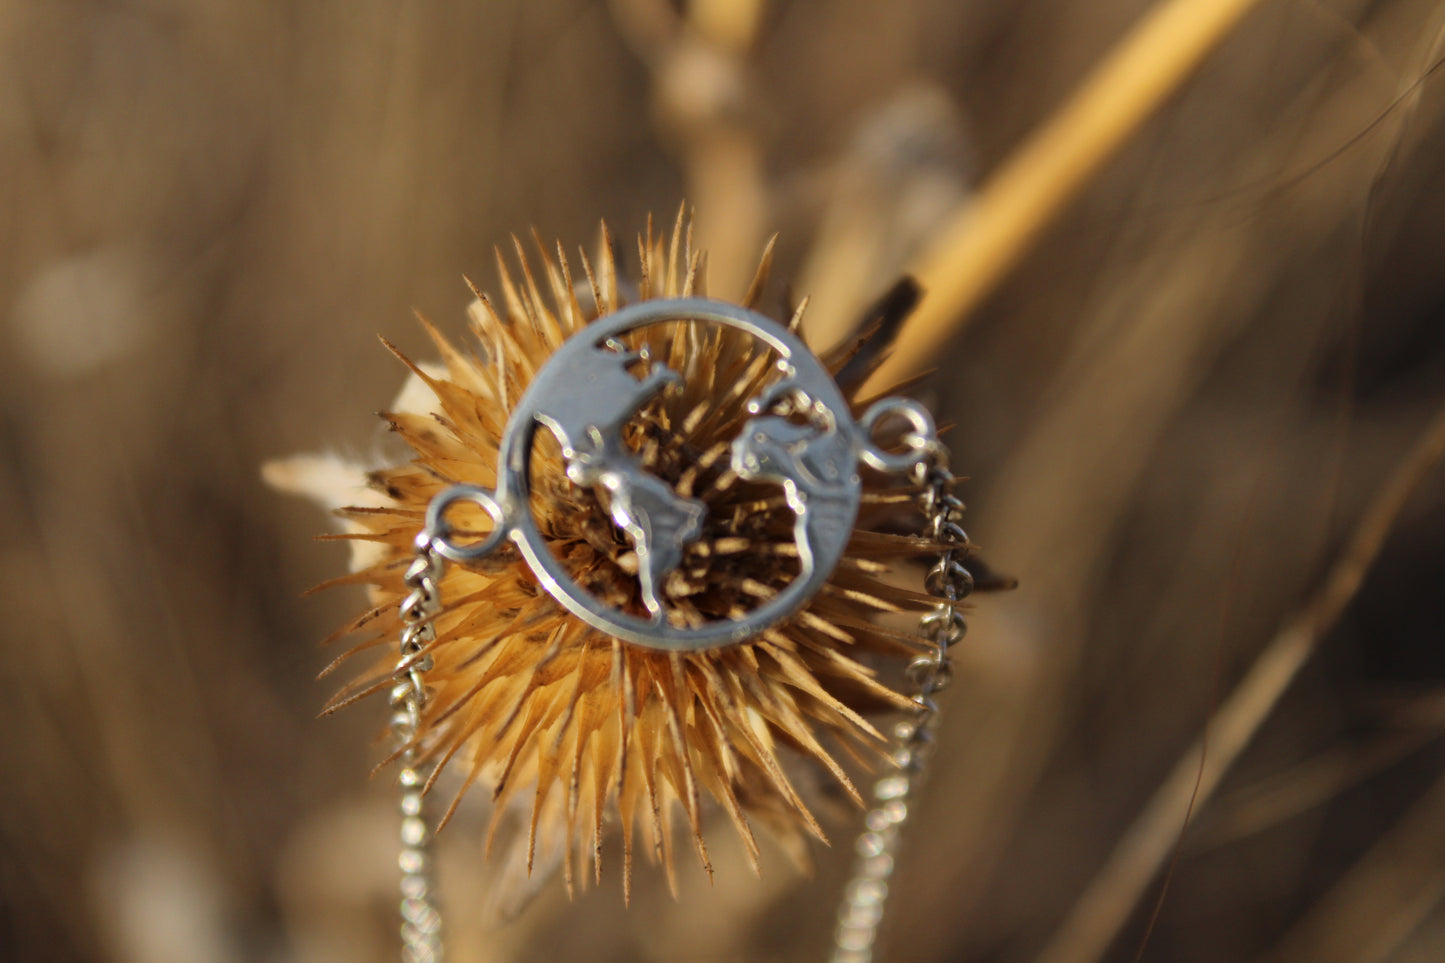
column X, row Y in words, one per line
column 861, row 909
column 864, row 897
column 421, row 931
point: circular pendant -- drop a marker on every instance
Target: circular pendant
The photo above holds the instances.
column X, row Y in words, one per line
column 800, row 436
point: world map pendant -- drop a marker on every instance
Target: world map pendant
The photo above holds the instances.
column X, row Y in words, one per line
column 800, row 436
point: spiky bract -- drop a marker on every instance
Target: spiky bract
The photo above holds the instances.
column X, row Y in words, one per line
column 529, row 699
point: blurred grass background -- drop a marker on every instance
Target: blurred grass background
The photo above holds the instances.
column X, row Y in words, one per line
column 1174, row 410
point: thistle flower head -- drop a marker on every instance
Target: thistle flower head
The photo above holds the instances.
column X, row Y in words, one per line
column 530, row 700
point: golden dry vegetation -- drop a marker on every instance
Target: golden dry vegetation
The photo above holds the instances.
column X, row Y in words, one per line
column 1200, row 413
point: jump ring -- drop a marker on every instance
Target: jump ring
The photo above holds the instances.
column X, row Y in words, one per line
column 440, row 532
column 921, row 438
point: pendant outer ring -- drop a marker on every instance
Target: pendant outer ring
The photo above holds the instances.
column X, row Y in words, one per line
column 825, row 513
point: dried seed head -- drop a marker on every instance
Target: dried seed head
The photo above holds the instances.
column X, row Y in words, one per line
column 531, row 700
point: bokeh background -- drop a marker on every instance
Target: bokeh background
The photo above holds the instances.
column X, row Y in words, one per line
column 1174, row 412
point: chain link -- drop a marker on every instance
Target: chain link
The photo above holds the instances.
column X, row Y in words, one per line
column 861, row 910
column 864, row 897
column 421, row 932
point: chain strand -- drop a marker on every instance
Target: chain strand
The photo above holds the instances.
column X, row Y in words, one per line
column 421, row 932
column 864, row 897
column 861, row 909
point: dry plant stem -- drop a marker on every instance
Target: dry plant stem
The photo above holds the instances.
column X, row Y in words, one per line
column 724, row 176
column 700, row 80
column 989, row 235
column 1109, row 412
column 1305, row 786
column 1142, row 347
column 1115, row 891
column 724, row 157
column 732, row 23
column 1368, row 916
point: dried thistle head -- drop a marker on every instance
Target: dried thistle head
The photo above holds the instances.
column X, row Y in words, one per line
column 528, row 699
